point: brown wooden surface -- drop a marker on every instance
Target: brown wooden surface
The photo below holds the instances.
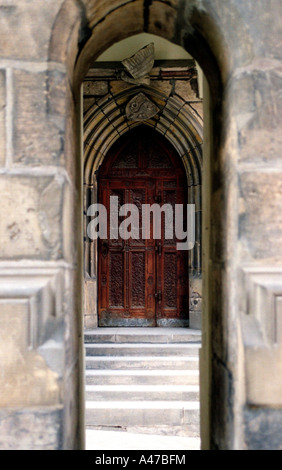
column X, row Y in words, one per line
column 142, row 282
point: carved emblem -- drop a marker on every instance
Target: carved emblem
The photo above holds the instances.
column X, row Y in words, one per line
column 140, row 108
column 139, row 66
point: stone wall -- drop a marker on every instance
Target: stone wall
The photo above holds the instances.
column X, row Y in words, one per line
column 45, row 51
column 174, row 90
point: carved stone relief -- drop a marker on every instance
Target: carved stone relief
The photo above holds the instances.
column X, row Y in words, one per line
column 140, row 108
column 139, row 66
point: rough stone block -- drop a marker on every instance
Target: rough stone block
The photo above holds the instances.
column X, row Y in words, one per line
column 264, row 367
column 162, row 20
column 58, row 99
column 2, row 117
column 261, row 303
column 257, row 106
column 164, row 86
column 32, row 217
column 26, row 28
column 31, row 429
column 119, row 86
column 260, row 224
column 73, row 304
column 37, row 137
column 197, row 111
column 263, row 429
column 73, row 424
column 101, row 8
column 31, row 303
column 222, row 406
column 195, row 320
column 119, row 24
column 264, row 25
column 90, row 303
column 184, row 89
column 95, row 88
column 26, row 379
column 87, row 104
column 218, row 227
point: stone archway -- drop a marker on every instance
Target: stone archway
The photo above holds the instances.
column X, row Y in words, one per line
column 180, row 123
column 42, row 66
column 96, row 35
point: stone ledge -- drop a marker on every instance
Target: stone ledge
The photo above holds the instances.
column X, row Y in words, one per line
column 261, row 329
column 42, row 289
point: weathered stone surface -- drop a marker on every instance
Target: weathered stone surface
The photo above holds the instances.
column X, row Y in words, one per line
column 42, row 144
column 141, row 108
column 2, row 117
column 232, row 24
column 263, row 428
column 118, row 86
column 162, row 20
column 119, row 24
column 260, row 217
column 184, row 89
column 58, row 96
column 73, row 411
column 102, row 8
column 197, row 110
column 263, row 24
column 71, row 332
column 23, row 37
column 239, row 33
column 31, row 222
column 26, row 379
column 163, row 86
column 90, row 304
column 87, row 104
column 264, row 366
column 222, row 409
column 65, row 35
column 31, row 349
column 97, row 88
column 258, row 112
column 33, row 429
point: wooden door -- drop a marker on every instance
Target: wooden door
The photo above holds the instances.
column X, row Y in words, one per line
column 142, row 282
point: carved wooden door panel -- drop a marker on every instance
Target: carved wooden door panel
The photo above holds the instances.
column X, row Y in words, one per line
column 142, row 282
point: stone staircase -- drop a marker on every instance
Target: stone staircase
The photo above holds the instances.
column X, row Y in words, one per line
column 143, row 381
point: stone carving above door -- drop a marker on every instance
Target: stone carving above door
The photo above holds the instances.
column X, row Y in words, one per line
column 141, row 108
column 139, row 66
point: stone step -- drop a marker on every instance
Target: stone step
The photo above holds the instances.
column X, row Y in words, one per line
column 192, row 430
column 142, row 335
column 142, row 377
column 142, row 393
column 127, row 349
column 139, row 413
column 113, row 440
column 142, row 362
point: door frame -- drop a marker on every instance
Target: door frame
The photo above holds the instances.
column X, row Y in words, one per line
column 194, row 178
column 151, row 181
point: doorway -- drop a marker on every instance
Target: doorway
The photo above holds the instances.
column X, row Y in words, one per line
column 143, row 282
